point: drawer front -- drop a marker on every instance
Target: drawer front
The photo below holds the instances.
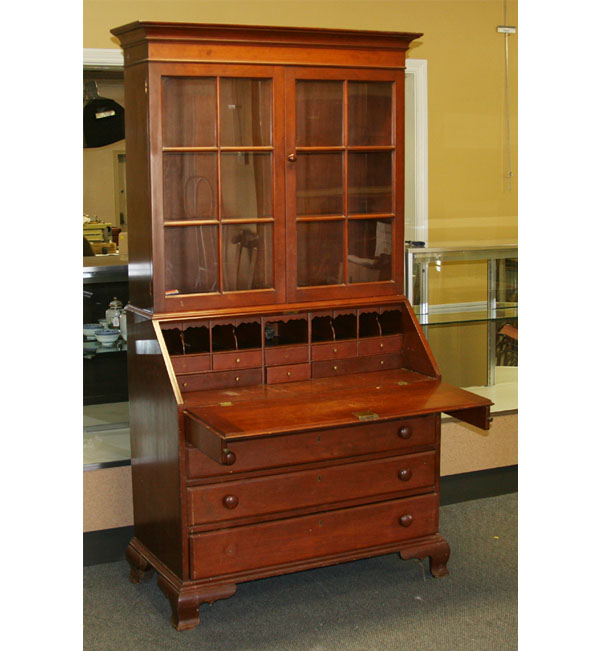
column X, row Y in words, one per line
column 377, row 345
column 356, row 365
column 237, row 359
column 286, row 355
column 289, row 373
column 336, row 350
column 220, row 380
column 191, row 363
column 323, row 445
column 268, row 544
column 310, row 488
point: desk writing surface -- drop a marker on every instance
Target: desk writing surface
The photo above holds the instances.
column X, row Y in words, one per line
column 311, row 405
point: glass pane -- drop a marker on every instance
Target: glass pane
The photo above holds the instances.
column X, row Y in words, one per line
column 247, row 257
column 245, row 112
column 320, row 253
column 319, row 184
column 369, row 113
column 369, row 250
column 190, row 181
column 369, row 182
column 319, row 113
column 189, row 108
column 191, row 254
column 247, row 185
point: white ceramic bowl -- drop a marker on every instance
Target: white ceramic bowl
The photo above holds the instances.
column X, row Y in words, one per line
column 90, row 329
column 107, row 337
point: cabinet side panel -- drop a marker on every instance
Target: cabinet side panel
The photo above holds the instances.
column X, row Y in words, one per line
column 138, row 188
column 417, row 353
column 154, row 424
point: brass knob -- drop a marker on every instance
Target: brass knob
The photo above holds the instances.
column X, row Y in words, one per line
column 238, row 360
column 292, row 158
column 289, row 373
column 405, row 474
column 404, row 432
column 380, row 345
column 335, row 368
column 228, row 457
column 230, row 501
column 406, row 520
column 335, row 350
column 237, row 379
column 382, row 362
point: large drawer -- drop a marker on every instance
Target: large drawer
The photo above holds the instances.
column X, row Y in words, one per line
column 313, row 446
column 310, row 488
column 292, row 540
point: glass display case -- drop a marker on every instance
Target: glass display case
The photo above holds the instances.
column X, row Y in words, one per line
column 465, row 297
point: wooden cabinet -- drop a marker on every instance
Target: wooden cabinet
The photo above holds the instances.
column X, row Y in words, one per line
column 284, row 403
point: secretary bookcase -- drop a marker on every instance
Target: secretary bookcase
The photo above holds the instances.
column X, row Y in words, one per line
column 284, row 404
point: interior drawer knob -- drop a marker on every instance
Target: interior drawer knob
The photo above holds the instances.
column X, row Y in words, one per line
column 405, row 474
column 230, row 501
column 405, row 432
column 406, row 520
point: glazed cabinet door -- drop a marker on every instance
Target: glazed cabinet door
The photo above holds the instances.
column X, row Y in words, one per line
column 217, row 169
column 344, row 182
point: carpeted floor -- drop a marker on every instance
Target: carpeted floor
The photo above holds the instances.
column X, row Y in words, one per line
column 375, row 604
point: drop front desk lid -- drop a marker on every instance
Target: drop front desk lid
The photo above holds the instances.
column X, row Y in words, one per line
column 214, row 419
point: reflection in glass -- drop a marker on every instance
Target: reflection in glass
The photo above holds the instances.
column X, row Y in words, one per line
column 369, row 250
column 191, row 259
column 369, row 182
column 245, row 112
column 319, row 184
column 247, row 185
column 320, row 253
column 189, row 109
column 189, row 185
column 319, row 113
column 247, row 256
column 369, row 113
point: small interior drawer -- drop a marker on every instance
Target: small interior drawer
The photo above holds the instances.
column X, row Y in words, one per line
column 334, row 350
column 330, row 368
column 237, row 359
column 190, row 363
column 286, row 355
column 220, row 380
column 377, row 345
column 288, row 373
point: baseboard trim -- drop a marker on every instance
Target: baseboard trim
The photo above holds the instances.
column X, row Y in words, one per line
column 108, row 545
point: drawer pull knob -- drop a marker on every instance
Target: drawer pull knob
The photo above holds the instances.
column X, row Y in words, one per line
column 230, row 501
column 335, row 368
column 406, row 520
column 335, row 350
column 380, row 345
column 238, row 360
column 228, row 457
column 382, row 362
column 289, row 373
column 404, row 432
column 405, row 474
column 237, row 379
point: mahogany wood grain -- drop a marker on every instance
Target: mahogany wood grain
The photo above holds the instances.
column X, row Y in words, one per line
column 288, row 373
column 286, row 355
column 190, row 363
column 159, row 516
column 281, row 541
column 243, row 420
column 356, row 365
column 301, row 447
column 220, row 379
column 276, row 494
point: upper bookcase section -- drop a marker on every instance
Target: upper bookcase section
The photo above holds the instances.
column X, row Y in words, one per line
column 161, row 41
column 265, row 166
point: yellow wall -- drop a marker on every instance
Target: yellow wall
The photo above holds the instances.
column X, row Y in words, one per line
column 468, row 194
